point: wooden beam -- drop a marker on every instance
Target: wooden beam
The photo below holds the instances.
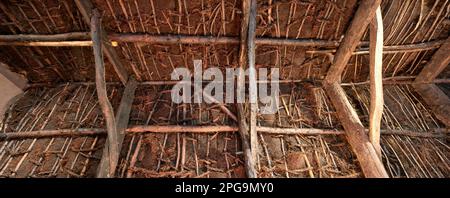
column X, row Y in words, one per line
column 165, row 39
column 414, row 47
column 361, row 19
column 86, row 9
column 83, row 132
column 398, row 80
column 51, row 133
column 188, row 39
column 376, row 80
column 298, row 131
column 46, row 37
column 388, row 49
column 181, row 129
column 47, row 43
column 78, row 39
column 369, row 161
column 438, row 62
column 102, row 94
column 253, row 88
column 436, row 99
column 435, row 133
column 123, row 116
column 250, row 165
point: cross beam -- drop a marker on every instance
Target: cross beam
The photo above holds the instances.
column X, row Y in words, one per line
column 361, row 19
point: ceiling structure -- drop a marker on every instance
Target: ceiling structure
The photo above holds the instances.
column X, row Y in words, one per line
column 326, row 51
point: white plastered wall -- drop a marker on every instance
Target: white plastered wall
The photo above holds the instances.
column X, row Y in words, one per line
column 11, row 88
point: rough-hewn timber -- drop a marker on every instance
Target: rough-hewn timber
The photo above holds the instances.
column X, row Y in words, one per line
column 107, row 109
column 122, row 119
column 86, row 7
column 361, row 19
column 376, row 80
column 368, row 159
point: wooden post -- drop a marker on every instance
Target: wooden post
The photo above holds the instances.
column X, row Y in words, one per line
column 436, row 99
column 105, row 169
column 376, row 80
column 86, row 7
column 250, row 165
column 368, row 159
column 253, row 89
column 82, row 132
column 361, row 19
column 100, row 83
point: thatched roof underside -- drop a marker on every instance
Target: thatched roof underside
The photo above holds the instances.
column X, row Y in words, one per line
column 405, row 22
column 70, row 105
column 215, row 155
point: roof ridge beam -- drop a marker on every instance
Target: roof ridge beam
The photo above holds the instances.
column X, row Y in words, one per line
column 363, row 16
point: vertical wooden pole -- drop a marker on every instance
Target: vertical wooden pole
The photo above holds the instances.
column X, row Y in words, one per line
column 243, row 127
column 253, row 89
column 376, row 80
column 100, row 83
column 107, row 167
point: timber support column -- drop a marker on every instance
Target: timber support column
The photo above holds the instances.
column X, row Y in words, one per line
column 369, row 161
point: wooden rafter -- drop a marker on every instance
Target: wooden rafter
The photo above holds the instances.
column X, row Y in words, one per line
column 48, row 43
column 86, row 7
column 371, row 164
column 181, row 128
column 361, row 19
column 436, row 99
column 23, row 39
column 107, row 167
column 80, row 39
column 243, row 126
column 83, row 132
column 438, row 62
column 398, row 80
column 47, row 37
column 107, row 109
column 253, row 89
column 376, row 80
column 368, row 159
